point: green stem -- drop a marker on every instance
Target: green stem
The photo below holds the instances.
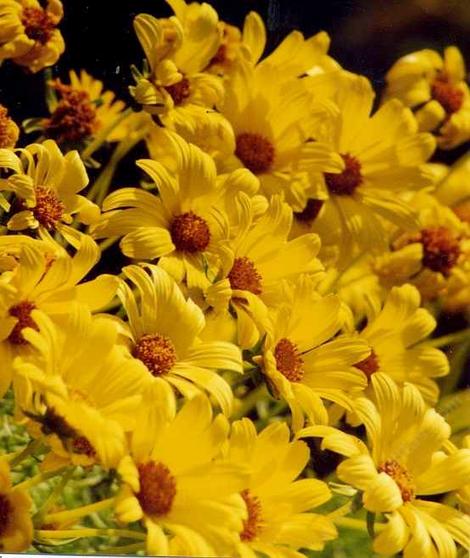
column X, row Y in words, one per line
column 123, row 549
column 82, row 533
column 356, row 524
column 40, row 515
column 26, row 452
column 249, row 402
column 38, row 479
column 77, row 513
column 103, row 135
column 451, row 339
column 105, row 244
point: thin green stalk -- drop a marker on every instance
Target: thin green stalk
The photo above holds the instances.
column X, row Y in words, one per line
column 85, row 532
column 41, row 477
column 249, row 402
column 451, row 339
column 123, row 549
column 41, row 513
column 77, row 513
column 103, row 135
column 26, row 452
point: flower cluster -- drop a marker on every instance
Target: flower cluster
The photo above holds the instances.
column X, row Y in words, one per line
column 279, row 268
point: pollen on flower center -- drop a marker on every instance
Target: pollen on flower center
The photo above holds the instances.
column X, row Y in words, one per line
column 369, row 365
column 180, row 91
column 310, row 211
column 253, row 524
column 6, row 511
column 288, row 360
column 255, row 151
column 38, row 24
column 441, row 249
column 446, row 94
column 402, row 478
column 82, row 446
column 244, row 276
column 346, row 182
column 157, row 488
column 9, row 131
column 49, row 209
column 190, row 233
column 156, row 352
column 21, row 311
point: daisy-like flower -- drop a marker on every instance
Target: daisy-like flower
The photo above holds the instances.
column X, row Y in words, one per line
column 302, row 360
column 84, row 389
column 163, row 333
column 45, row 184
column 395, row 336
column 403, row 460
column 29, row 34
column 436, row 88
column 182, row 225
column 9, row 131
column 279, row 506
column 16, row 527
column 178, row 485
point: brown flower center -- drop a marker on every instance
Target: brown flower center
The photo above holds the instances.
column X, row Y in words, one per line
column 220, row 57
column 288, row 360
column 6, row 512
column 255, row 151
column 49, row 209
column 346, row 182
column 253, row 524
column 38, row 24
column 156, row 352
column 190, row 233
column 310, row 211
column 402, row 478
column 369, row 365
column 179, row 92
column 82, row 446
column 441, row 249
column 244, row 276
column 447, row 94
column 9, row 131
column 21, row 311
column 157, row 488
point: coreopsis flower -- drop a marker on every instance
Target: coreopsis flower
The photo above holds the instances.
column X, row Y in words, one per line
column 279, row 505
column 163, row 334
column 16, row 526
column 396, row 336
column 403, row 463
column 177, row 484
column 304, row 360
column 45, row 184
column 29, row 34
column 436, row 88
column 84, row 389
column 9, row 131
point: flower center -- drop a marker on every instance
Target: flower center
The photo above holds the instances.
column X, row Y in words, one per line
column 253, row 524
column 49, row 209
column 369, row 365
column 402, row 478
column 244, row 276
column 6, row 511
column 9, row 131
column 346, row 182
column 446, row 94
column 463, row 211
column 156, row 352
column 157, row 488
column 190, row 233
column 220, row 57
column 288, row 360
column 255, row 151
column 82, row 446
column 74, row 118
column 21, row 311
column 38, row 24
column 179, row 92
column 310, row 211
column 441, row 249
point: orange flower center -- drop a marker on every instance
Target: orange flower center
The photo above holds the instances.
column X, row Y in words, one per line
column 74, row 118
column 447, row 94
column 179, row 92
column 288, row 360
column 82, row 446
column 463, row 211
column 157, row 488
column 190, row 233
column 49, row 209
column 369, row 365
column 402, row 478
column 441, row 249
column 8, row 130
column 253, row 524
column 220, row 57
column 255, row 151
column 38, row 24
column 6, row 512
column 346, row 182
column 21, row 311
column 310, row 211
column 156, row 352
column 244, row 276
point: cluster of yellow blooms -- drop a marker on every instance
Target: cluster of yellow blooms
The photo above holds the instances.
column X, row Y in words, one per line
column 288, row 248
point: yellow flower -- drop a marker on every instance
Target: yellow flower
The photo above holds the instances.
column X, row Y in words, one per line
column 16, row 527
column 404, row 459
column 29, row 34
column 279, row 520
column 178, row 485
column 46, row 185
column 436, row 87
column 9, row 131
column 303, row 361
column 163, row 333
